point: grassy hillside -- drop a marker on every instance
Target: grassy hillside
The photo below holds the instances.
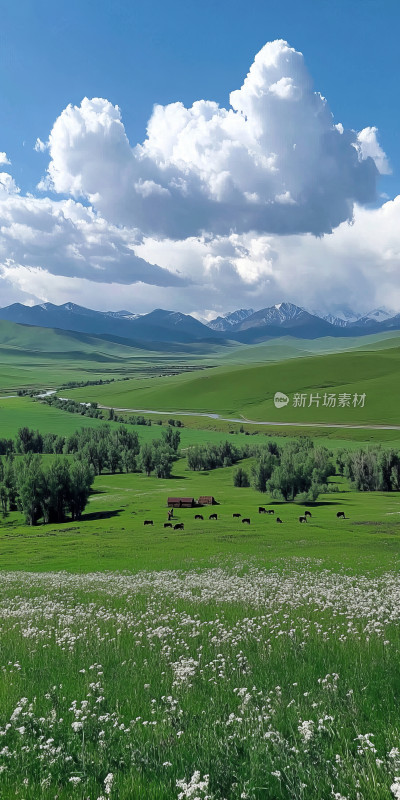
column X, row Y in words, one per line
column 289, row 347
column 16, row 412
column 35, row 357
column 249, row 391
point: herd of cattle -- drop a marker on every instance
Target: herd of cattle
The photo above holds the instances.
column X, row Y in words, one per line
column 179, row 526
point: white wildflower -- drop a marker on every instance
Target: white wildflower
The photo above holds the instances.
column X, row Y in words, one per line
column 395, row 788
column 196, row 789
column 306, row 729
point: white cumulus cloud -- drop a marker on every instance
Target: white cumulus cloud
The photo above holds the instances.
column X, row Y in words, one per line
column 66, row 238
column 357, row 265
column 273, row 162
column 370, row 147
column 215, row 209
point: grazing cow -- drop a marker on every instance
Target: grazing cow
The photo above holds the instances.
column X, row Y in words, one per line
column 167, row 524
column 341, row 515
column 246, row 520
column 236, row 515
column 213, row 516
column 148, row 522
column 307, row 514
column 198, row 516
column 179, row 526
column 302, row 519
column 278, row 519
column 261, row 510
column 270, row 511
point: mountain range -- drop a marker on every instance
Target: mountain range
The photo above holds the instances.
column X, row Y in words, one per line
column 160, row 326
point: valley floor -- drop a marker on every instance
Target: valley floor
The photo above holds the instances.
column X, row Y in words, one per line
column 222, row 661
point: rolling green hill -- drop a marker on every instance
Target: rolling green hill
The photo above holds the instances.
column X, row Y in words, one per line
column 249, row 391
column 41, row 357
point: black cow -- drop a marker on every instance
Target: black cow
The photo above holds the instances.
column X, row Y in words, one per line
column 167, row 524
column 278, row 519
column 261, row 510
column 302, row 519
column 246, row 519
column 341, row 515
column 213, row 516
column 179, row 526
column 270, row 511
column 148, row 522
column 236, row 515
column 307, row 514
column 198, row 516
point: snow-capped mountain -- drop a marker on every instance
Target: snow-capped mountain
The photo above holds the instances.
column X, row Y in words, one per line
column 228, row 321
column 341, row 323
column 346, row 316
column 338, row 315
column 376, row 315
column 279, row 314
column 243, row 325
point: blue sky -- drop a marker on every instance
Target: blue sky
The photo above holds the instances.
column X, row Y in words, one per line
column 136, row 55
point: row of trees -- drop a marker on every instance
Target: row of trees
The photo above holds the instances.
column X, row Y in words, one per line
column 73, row 407
column 92, row 409
column 60, row 488
column 296, row 470
column 371, row 470
column 210, row 456
column 50, row 491
column 119, row 450
column 104, row 448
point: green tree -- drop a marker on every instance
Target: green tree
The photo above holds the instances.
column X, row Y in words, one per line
column 146, row 459
column 114, row 457
column 30, row 485
column 81, row 477
column 241, row 478
column 163, row 460
column 55, row 491
column 262, row 471
column 172, row 438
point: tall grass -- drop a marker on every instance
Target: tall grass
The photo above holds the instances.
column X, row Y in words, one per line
column 241, row 684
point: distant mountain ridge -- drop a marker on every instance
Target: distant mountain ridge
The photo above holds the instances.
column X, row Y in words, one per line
column 162, row 326
column 228, row 321
column 348, row 317
column 158, row 326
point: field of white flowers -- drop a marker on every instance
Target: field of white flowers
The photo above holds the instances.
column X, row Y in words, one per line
column 211, row 685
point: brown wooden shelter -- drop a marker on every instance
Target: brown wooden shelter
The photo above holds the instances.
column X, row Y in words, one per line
column 181, row 502
column 207, row 501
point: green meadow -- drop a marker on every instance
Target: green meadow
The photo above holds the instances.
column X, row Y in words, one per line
column 224, row 660
column 112, row 536
column 221, row 661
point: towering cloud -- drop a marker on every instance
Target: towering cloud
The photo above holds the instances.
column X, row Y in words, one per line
column 216, row 207
column 274, row 162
